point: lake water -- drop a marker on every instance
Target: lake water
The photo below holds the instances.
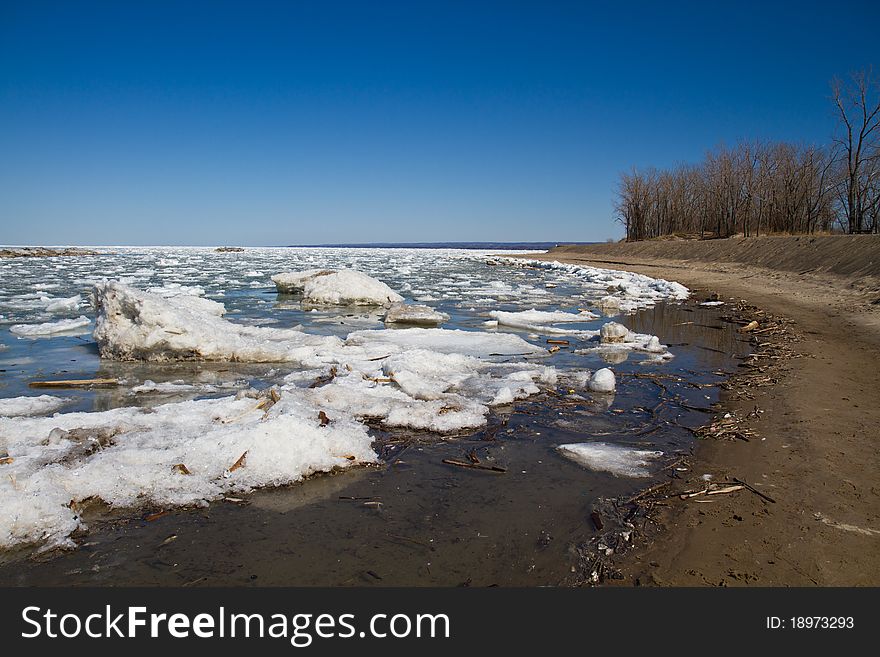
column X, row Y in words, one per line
column 410, row 519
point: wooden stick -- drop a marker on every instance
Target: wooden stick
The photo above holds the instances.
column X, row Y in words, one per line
column 725, row 490
column 755, row 490
column 648, row 491
column 475, row 466
column 74, row 383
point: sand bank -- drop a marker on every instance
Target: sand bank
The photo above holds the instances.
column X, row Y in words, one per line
column 814, row 448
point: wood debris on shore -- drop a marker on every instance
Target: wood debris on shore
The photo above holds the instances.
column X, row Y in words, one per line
column 622, row 523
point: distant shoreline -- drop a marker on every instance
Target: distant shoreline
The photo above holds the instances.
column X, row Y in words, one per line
column 524, row 246
column 475, row 246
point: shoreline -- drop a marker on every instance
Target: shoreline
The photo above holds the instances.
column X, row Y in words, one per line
column 811, row 435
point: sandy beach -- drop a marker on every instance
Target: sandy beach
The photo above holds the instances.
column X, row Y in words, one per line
column 814, row 448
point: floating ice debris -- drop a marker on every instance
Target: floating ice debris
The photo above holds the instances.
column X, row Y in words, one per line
column 712, row 303
column 62, row 326
column 540, row 320
column 400, row 313
column 503, row 396
column 609, row 305
column 602, row 381
column 127, row 457
column 616, row 338
column 22, row 406
column 633, row 291
column 612, row 333
column 64, row 305
column 427, row 390
column 342, row 287
column 136, row 325
column 616, row 459
column 446, row 341
column 177, row 289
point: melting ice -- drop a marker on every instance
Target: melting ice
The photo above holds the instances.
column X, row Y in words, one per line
column 335, row 329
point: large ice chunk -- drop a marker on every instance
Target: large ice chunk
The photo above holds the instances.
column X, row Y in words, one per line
column 342, row 287
column 294, row 281
column 136, row 325
column 176, row 454
column 40, row 405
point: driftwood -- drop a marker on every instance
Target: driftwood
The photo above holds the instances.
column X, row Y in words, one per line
column 239, row 463
column 74, row 383
column 475, row 466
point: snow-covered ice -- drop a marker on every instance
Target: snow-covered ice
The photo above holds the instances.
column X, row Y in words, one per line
column 343, row 287
column 612, row 333
column 164, row 305
column 28, row 405
column 137, row 325
column 602, row 381
column 185, row 453
column 632, row 291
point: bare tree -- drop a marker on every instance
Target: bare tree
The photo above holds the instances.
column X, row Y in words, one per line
column 858, row 107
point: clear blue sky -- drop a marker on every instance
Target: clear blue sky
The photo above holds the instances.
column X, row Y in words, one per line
column 291, row 122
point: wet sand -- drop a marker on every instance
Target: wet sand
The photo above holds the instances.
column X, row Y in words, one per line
column 815, row 448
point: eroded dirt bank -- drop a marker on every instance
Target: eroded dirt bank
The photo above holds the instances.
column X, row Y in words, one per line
column 817, row 429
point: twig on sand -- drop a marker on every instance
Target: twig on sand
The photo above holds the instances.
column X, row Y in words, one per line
column 648, row 491
column 755, row 490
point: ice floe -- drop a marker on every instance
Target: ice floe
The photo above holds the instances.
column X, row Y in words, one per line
column 398, row 378
column 27, row 405
column 632, row 291
column 136, row 325
column 64, row 305
column 185, row 453
column 401, row 313
column 616, row 340
column 445, row 341
column 541, row 321
column 616, row 459
column 342, row 287
column 62, row 326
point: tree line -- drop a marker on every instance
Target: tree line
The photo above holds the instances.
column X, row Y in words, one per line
column 760, row 187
